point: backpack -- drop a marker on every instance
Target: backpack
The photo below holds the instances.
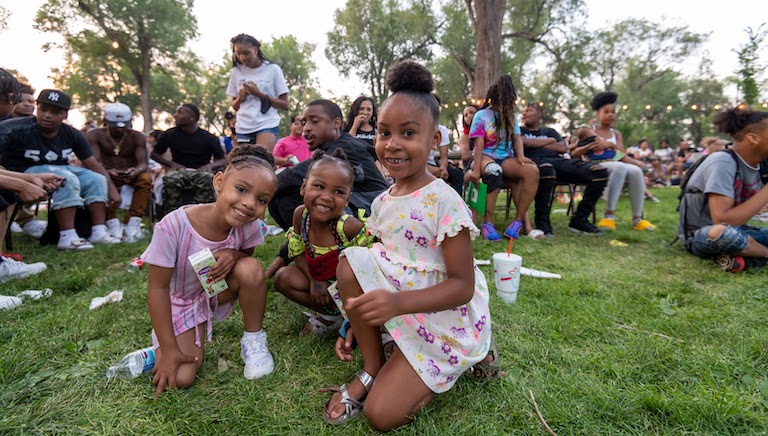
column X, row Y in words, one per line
column 684, row 190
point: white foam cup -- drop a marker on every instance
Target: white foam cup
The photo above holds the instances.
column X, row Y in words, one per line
column 506, row 271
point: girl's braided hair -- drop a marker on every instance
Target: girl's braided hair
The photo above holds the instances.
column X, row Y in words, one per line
column 246, row 39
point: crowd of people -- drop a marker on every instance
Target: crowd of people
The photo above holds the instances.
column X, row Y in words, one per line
column 372, row 208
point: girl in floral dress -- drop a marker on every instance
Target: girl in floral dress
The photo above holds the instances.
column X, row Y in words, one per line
column 419, row 281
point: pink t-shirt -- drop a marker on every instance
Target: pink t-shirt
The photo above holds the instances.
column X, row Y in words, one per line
column 291, row 145
column 173, row 241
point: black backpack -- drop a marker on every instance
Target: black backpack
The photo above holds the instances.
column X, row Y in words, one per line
column 684, row 190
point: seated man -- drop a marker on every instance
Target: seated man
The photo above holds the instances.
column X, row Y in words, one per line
column 724, row 192
column 190, row 172
column 43, row 144
column 293, row 148
column 322, row 130
column 123, row 153
column 25, row 216
column 25, row 187
column 545, row 146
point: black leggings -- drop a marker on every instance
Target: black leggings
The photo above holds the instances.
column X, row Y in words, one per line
column 574, row 171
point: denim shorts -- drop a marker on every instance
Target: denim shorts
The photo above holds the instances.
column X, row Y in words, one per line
column 733, row 240
column 250, row 138
column 82, row 187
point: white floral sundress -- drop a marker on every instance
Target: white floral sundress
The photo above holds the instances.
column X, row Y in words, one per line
column 440, row 346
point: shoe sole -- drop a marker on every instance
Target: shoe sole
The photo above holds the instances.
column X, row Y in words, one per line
column 583, row 232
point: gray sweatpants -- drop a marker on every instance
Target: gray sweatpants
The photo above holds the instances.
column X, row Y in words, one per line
column 620, row 172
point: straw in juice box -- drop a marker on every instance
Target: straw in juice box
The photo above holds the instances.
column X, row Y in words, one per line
column 202, row 261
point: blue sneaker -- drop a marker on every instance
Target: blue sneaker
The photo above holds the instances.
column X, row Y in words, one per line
column 513, row 231
column 489, row 232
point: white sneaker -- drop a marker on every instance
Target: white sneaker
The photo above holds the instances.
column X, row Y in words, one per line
column 9, row 302
column 256, row 356
column 103, row 238
column 133, row 228
column 16, row 228
column 11, row 269
column 77, row 244
column 114, row 228
column 35, row 228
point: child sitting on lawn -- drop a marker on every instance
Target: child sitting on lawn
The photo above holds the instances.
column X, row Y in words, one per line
column 180, row 309
column 420, row 281
column 321, row 230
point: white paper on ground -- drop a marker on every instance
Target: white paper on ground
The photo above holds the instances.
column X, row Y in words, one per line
column 112, row 297
column 482, row 262
column 34, row 294
column 538, row 274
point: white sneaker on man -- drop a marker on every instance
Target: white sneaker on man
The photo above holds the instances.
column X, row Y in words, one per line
column 114, row 228
column 74, row 244
column 16, row 228
column 103, row 238
column 256, row 356
column 133, row 228
column 11, row 269
column 35, row 228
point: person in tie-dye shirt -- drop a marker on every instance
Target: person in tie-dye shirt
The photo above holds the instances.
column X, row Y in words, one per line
column 498, row 154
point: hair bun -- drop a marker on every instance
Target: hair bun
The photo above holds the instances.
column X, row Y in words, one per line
column 409, row 75
column 604, row 98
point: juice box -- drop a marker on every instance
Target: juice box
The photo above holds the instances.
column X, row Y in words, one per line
column 202, row 261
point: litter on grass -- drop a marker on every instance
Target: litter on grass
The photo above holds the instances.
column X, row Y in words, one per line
column 538, row 274
column 112, row 297
column 617, row 243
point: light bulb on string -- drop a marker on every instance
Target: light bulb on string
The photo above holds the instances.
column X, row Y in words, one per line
column 669, row 107
column 717, row 107
column 115, row 44
column 694, row 107
column 647, row 107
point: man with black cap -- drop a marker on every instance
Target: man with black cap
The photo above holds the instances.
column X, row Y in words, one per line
column 43, row 144
column 195, row 155
column 123, row 153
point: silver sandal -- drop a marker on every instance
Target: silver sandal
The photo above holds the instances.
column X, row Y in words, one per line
column 352, row 406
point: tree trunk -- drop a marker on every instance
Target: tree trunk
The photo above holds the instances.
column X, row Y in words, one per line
column 489, row 16
column 146, row 86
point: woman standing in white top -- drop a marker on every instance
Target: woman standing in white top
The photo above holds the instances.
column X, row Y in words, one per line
column 258, row 90
column 619, row 172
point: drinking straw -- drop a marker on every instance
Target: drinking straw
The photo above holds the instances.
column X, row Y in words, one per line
column 509, row 249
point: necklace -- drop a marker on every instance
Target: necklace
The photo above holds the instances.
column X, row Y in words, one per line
column 116, row 145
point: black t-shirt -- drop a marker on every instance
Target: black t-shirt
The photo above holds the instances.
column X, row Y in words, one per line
column 22, row 145
column 191, row 151
column 368, row 137
column 541, row 133
column 369, row 178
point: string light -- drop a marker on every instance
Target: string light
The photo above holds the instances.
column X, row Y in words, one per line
column 307, row 96
column 717, row 107
column 624, row 107
column 582, row 106
column 456, row 104
column 210, row 71
column 464, row 103
column 694, row 106
column 541, row 104
column 115, row 44
column 48, row 24
column 647, row 107
column 669, row 107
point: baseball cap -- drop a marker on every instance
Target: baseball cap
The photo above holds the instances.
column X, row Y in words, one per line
column 54, row 97
column 117, row 115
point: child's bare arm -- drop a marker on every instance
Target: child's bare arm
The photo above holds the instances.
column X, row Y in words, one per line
column 159, row 302
column 377, row 307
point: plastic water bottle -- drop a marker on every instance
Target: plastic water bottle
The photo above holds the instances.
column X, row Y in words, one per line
column 133, row 364
column 134, row 265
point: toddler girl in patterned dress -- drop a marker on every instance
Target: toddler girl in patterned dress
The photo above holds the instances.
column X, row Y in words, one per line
column 419, row 281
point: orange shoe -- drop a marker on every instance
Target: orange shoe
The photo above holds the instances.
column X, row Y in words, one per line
column 607, row 223
column 644, row 225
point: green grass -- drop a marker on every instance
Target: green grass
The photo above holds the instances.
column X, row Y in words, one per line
column 562, row 340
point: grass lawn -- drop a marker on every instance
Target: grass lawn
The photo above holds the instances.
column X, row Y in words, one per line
column 643, row 339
